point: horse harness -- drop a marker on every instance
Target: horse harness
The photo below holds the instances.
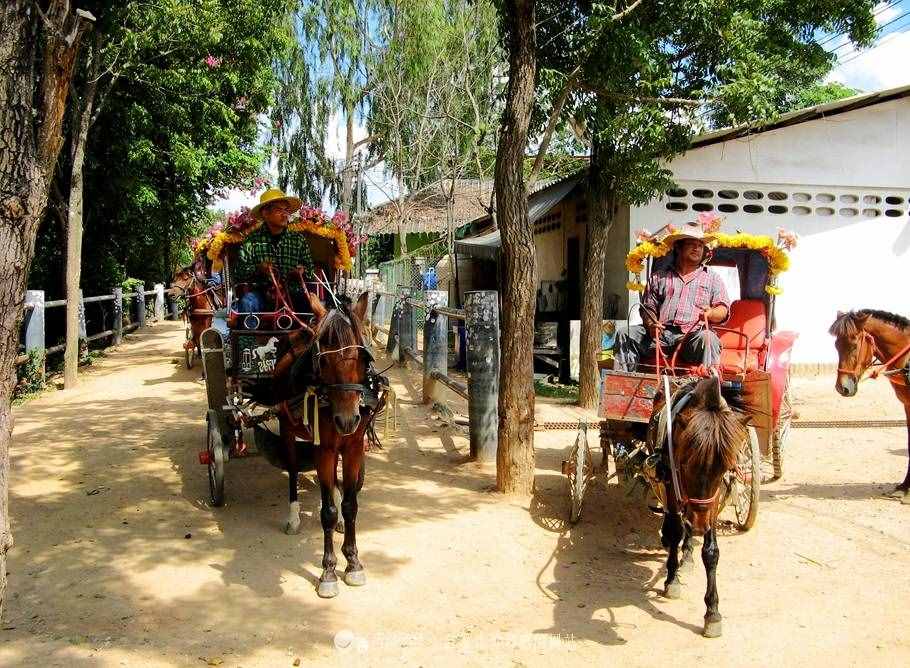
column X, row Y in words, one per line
column 662, row 426
column 883, row 368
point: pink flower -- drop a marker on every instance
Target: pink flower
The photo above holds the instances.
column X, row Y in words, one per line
column 212, row 61
column 642, row 236
column 787, row 238
column 709, row 221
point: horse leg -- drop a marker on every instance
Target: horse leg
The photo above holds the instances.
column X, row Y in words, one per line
column 687, row 562
column 293, row 523
column 326, row 463
column 671, row 533
column 353, row 468
column 710, row 555
column 902, row 491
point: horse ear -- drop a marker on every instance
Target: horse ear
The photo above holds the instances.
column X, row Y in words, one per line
column 713, row 399
column 840, row 314
column 316, row 305
column 360, row 308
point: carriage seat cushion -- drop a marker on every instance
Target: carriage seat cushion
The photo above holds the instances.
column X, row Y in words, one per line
column 748, row 317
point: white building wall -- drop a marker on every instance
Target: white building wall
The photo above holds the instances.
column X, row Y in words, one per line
column 841, row 183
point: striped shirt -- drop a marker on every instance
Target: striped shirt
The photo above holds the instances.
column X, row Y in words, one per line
column 681, row 300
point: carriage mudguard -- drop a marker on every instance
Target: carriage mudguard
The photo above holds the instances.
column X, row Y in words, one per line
column 779, row 367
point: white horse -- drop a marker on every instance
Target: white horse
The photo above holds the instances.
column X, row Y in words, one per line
column 261, row 351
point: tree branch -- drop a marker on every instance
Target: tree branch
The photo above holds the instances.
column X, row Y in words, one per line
column 647, row 99
column 619, row 16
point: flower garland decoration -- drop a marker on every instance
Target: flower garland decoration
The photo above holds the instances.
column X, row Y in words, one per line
column 775, row 252
column 238, row 225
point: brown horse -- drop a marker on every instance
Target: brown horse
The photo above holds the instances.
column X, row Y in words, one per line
column 707, row 434
column 881, row 341
column 330, row 358
column 201, row 302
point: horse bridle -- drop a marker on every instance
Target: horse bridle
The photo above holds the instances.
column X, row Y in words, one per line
column 881, row 369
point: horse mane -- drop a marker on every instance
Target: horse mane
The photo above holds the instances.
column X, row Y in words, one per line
column 340, row 325
column 714, row 432
column 844, row 325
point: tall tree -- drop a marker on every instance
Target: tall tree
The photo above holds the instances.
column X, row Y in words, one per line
column 39, row 43
column 515, row 454
column 642, row 85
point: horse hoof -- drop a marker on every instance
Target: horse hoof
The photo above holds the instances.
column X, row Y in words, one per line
column 673, row 590
column 327, row 589
column 292, row 529
column 355, row 578
column 897, row 493
column 713, row 629
column 339, row 528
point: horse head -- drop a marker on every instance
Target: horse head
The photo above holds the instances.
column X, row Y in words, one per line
column 341, row 359
column 708, row 433
column 855, row 350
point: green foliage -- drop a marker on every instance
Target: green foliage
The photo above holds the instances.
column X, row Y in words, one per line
column 379, row 248
column 821, row 93
column 739, row 62
column 29, row 377
column 184, row 84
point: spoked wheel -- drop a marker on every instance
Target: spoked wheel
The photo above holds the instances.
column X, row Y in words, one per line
column 579, row 469
column 745, row 483
column 782, row 431
column 217, row 459
column 189, row 352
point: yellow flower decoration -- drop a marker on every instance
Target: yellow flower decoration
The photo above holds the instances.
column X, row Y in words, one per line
column 635, row 260
column 635, row 286
column 773, row 290
column 315, row 225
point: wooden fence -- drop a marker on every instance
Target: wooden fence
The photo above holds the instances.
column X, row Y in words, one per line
column 143, row 312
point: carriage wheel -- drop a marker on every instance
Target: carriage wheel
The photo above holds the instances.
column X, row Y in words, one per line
column 745, row 485
column 782, row 432
column 216, row 465
column 579, row 469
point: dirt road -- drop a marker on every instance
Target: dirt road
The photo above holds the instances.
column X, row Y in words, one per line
column 118, row 560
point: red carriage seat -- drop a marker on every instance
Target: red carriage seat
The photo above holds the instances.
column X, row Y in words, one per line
column 747, row 322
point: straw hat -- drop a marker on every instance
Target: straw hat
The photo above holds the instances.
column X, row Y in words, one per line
column 690, row 231
column 275, row 195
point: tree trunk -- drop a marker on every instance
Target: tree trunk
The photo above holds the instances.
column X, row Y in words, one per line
column 29, row 145
column 602, row 210
column 347, row 173
column 74, row 233
column 515, row 455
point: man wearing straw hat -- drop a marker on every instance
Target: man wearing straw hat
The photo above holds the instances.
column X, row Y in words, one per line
column 272, row 248
column 676, row 304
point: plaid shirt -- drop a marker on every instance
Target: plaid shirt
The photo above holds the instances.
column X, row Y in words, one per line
column 285, row 251
column 681, row 300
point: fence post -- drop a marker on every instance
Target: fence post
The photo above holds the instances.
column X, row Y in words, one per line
column 393, row 343
column 118, row 315
column 482, row 316
column 173, row 307
column 83, row 331
column 159, row 302
column 34, row 327
column 435, row 341
column 140, row 305
column 405, row 326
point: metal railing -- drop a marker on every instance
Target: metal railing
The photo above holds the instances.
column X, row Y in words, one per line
column 145, row 311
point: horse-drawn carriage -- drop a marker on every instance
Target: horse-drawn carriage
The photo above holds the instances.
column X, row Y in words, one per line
column 754, row 362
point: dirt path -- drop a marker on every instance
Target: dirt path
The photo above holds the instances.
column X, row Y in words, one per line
column 118, row 560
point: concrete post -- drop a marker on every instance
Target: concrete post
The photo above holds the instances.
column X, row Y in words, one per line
column 83, row 331
column 392, row 343
column 482, row 316
column 117, row 325
column 435, row 342
column 34, row 324
column 173, row 308
column 140, row 305
column 159, row 301
column 406, row 337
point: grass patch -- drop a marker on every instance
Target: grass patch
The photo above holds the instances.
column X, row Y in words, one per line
column 555, row 390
